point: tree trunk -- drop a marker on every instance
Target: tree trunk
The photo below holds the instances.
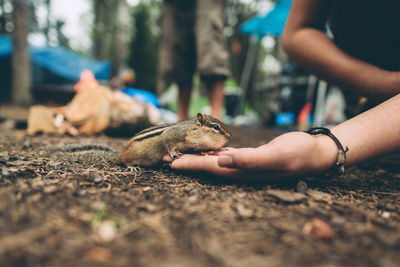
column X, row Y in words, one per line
column 119, row 40
column 48, row 23
column 111, row 32
column 101, row 28
column 2, row 18
column 21, row 71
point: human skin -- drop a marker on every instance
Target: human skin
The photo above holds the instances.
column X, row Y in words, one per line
column 215, row 91
column 370, row 134
column 306, row 44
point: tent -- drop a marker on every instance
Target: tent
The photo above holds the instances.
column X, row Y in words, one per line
column 259, row 26
column 272, row 23
column 50, row 66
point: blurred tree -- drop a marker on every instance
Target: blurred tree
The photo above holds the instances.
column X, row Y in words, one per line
column 237, row 12
column 102, row 25
column 111, row 32
column 33, row 19
column 120, row 36
column 47, row 27
column 52, row 30
column 21, row 75
column 2, row 17
column 6, row 21
column 144, row 44
column 62, row 39
column 5, row 16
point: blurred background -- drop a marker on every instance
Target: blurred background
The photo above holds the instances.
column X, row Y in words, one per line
column 46, row 44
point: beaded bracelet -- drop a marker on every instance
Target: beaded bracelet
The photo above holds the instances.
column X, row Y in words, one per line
column 341, row 159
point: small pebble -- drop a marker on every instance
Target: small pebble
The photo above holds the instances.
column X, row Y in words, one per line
column 26, row 144
column 97, row 178
column 244, row 212
column 385, row 215
column 106, row 232
column 5, row 172
column 79, row 193
column 3, row 158
column 302, row 187
column 318, row 229
column 50, row 189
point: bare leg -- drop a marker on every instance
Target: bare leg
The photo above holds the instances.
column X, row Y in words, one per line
column 216, row 97
column 185, row 91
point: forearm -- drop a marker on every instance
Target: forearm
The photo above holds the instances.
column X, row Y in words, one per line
column 370, row 134
column 310, row 47
column 314, row 51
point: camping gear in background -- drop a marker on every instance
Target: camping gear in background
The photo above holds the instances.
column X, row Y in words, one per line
column 272, row 23
column 142, row 96
column 48, row 120
column 259, row 26
column 94, row 110
column 285, row 100
column 86, row 81
column 125, row 82
column 304, row 117
column 54, row 70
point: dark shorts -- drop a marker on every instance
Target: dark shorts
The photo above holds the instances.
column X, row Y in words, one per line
column 192, row 40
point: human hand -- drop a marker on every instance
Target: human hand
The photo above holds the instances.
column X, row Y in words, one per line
column 290, row 154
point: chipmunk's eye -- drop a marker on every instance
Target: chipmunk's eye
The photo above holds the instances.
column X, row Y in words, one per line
column 215, row 127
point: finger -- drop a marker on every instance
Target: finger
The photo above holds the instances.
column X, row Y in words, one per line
column 253, row 159
column 209, row 163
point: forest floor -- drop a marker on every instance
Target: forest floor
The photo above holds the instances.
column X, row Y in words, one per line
column 58, row 214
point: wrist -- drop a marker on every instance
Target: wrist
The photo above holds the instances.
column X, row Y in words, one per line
column 327, row 154
column 394, row 82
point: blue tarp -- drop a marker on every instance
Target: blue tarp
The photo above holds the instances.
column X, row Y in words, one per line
column 60, row 61
column 142, row 95
column 5, row 46
column 272, row 23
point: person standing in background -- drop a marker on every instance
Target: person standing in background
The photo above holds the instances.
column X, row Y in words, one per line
column 192, row 40
column 363, row 58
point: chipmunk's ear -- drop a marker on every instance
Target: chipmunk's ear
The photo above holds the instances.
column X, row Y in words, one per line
column 201, row 118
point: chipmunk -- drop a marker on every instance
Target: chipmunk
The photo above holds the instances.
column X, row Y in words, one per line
column 148, row 147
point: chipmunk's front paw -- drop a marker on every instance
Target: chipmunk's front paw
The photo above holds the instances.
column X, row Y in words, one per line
column 206, row 153
column 175, row 155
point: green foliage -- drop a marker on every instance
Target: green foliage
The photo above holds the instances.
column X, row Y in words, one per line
column 99, row 215
column 6, row 23
column 237, row 12
column 144, row 45
column 50, row 29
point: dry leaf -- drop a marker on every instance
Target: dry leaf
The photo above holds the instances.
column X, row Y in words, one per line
column 286, row 196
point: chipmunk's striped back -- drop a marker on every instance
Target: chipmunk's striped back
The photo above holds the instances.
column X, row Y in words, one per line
column 152, row 131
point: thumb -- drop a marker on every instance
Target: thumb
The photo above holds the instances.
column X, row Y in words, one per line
column 238, row 158
column 262, row 158
column 226, row 161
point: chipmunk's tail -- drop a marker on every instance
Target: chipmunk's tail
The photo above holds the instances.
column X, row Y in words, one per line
column 88, row 154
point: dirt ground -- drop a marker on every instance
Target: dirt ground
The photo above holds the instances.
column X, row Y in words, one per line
column 58, row 214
